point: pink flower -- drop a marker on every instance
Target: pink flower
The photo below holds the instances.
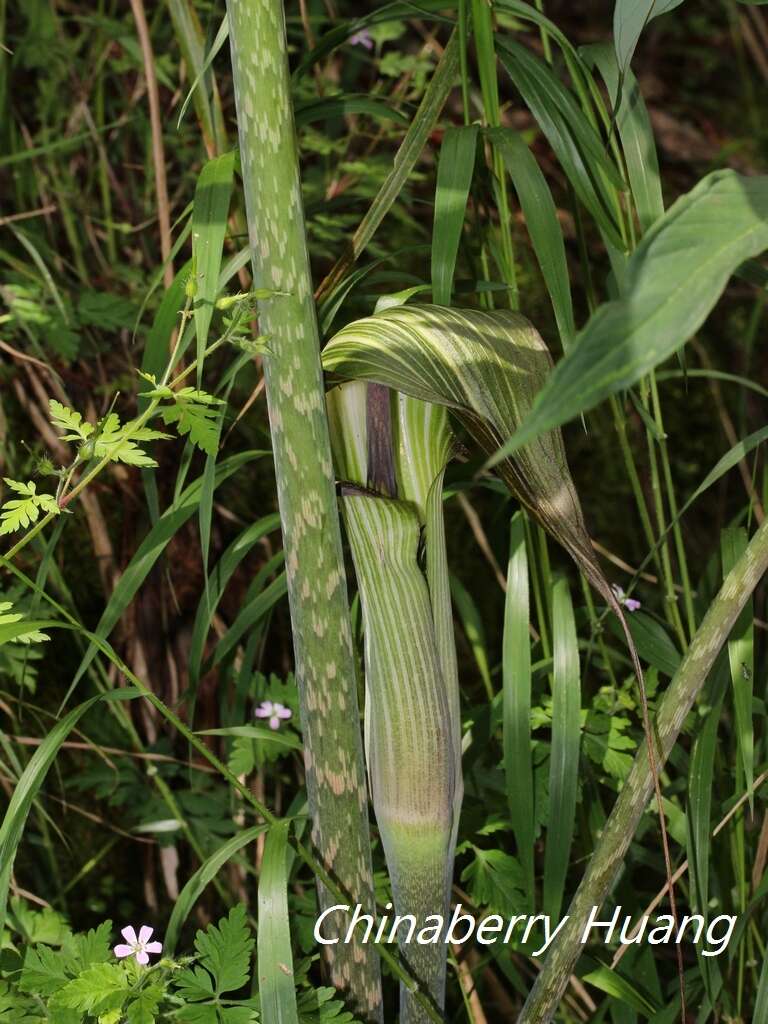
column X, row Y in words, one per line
column 630, row 603
column 273, row 711
column 362, row 38
column 141, row 947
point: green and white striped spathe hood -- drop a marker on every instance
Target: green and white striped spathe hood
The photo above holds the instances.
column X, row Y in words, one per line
column 487, row 367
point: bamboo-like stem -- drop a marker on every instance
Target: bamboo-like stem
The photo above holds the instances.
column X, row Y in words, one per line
column 317, row 593
column 604, row 865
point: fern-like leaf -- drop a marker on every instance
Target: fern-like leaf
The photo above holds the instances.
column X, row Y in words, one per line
column 194, row 412
column 70, row 424
column 22, row 512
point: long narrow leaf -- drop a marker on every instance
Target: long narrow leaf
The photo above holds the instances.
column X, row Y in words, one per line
column 634, row 126
column 564, row 755
column 454, row 177
column 573, row 139
column 209, row 226
column 200, row 879
column 629, row 19
column 150, row 550
column 540, row 213
column 277, row 988
column 410, row 149
column 516, row 674
column 741, row 657
column 28, row 786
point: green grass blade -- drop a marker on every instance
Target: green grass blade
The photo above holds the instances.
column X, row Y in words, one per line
column 482, row 25
column 202, row 96
column 157, row 347
column 28, row 786
column 741, row 657
column 454, row 177
column 674, row 278
column 575, row 142
column 191, row 40
column 564, row 754
column 277, row 989
column 217, row 582
column 700, row 781
column 620, row 988
column 209, row 227
column 423, row 123
column 516, row 674
column 761, row 999
column 636, row 133
column 629, row 19
column 472, row 625
column 250, row 615
column 150, row 549
column 343, row 106
column 541, row 220
column 195, row 886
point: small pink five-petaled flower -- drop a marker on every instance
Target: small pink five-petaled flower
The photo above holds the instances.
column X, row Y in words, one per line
column 273, row 711
column 139, row 947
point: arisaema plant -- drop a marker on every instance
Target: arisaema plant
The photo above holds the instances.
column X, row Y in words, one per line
column 390, row 452
column 486, row 368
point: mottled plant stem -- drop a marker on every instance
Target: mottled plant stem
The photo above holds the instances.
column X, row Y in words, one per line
column 609, row 855
column 295, row 396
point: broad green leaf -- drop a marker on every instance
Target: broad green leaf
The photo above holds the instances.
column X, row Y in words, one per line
column 494, row 880
column 142, row 1009
column 674, row 278
column 44, row 971
column 653, row 643
column 196, row 417
column 21, row 512
column 516, row 676
column 564, row 752
column 629, row 19
column 454, row 177
column 277, row 988
column 541, row 220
